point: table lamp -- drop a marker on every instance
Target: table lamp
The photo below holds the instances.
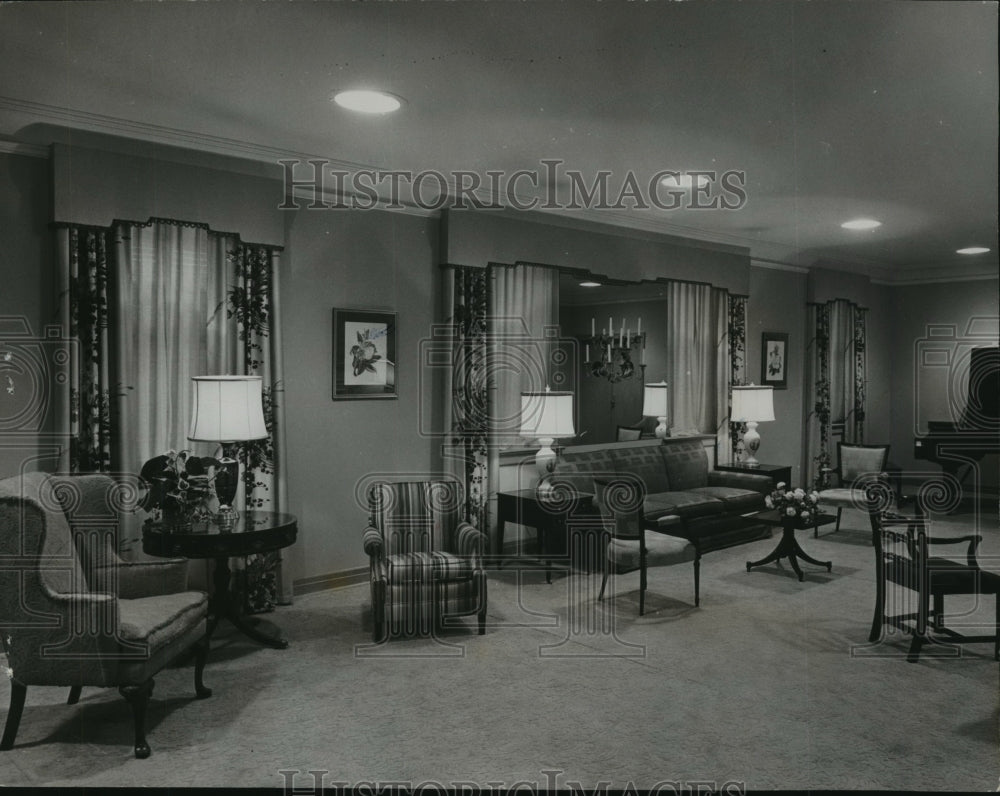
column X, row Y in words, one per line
column 654, row 404
column 752, row 405
column 544, row 417
column 227, row 410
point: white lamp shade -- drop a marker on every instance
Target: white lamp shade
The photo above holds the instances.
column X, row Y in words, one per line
column 752, row 403
column 227, row 409
column 654, row 400
column 547, row 414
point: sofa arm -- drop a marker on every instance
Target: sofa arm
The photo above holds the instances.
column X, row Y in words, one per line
column 372, row 540
column 752, row 481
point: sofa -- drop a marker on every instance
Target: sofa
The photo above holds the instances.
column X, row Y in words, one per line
column 684, row 496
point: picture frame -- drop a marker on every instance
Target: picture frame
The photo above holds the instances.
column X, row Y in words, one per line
column 364, row 354
column 774, row 360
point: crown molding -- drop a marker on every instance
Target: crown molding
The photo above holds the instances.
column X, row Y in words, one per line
column 764, row 254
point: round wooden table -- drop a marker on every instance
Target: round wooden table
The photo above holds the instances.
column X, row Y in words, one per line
column 254, row 532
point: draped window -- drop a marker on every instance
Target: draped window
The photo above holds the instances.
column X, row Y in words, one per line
column 836, row 357
column 148, row 306
column 698, row 362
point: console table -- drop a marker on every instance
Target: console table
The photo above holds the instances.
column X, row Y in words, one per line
column 778, row 472
column 254, row 532
column 550, row 519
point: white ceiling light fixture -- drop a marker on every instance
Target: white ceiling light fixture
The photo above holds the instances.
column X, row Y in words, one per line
column 590, row 284
column 367, row 101
column 684, row 181
column 972, row 250
column 861, row 223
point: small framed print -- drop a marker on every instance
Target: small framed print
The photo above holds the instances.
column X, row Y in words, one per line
column 364, row 354
column 774, row 360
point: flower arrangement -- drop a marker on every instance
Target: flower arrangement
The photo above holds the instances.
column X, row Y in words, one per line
column 179, row 487
column 795, row 503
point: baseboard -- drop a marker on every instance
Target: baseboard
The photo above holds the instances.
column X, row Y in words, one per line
column 332, row 580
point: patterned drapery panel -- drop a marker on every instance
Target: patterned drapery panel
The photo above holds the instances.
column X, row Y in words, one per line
column 84, row 307
column 467, row 420
column 837, row 359
column 737, row 366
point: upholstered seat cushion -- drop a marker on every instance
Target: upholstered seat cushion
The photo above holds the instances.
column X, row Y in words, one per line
column 686, row 505
column 843, row 498
column 661, row 550
column 439, row 565
column 157, row 621
column 957, row 578
column 735, row 500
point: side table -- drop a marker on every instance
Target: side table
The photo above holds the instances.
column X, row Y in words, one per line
column 788, row 547
column 778, row 472
column 548, row 518
column 254, row 532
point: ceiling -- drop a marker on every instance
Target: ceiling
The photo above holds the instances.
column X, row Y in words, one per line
column 832, row 110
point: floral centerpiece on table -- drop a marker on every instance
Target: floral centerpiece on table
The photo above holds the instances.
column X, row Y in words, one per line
column 179, row 487
column 795, row 504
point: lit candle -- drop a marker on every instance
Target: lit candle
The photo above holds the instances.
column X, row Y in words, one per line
column 592, row 329
column 611, row 326
column 638, row 330
column 587, row 358
column 609, row 352
column 642, row 360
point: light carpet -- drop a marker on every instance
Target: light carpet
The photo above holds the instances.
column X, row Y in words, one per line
column 770, row 683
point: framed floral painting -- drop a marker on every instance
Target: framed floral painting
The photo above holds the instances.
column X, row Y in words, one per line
column 774, row 360
column 364, row 354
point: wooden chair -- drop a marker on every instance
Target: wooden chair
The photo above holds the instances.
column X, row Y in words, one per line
column 857, row 466
column 902, row 558
column 631, row 545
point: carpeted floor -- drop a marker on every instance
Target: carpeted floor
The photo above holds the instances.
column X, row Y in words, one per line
column 769, row 683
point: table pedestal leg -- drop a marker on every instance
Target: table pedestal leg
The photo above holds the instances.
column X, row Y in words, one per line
column 222, row 605
column 788, row 547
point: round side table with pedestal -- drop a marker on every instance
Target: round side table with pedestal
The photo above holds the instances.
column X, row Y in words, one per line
column 252, row 532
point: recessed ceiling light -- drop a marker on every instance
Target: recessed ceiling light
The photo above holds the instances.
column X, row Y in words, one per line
column 861, row 223
column 590, row 284
column 972, row 250
column 367, row 101
column 685, row 181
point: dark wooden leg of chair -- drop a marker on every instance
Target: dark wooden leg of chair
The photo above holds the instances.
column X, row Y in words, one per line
column 379, row 632
column 642, row 580
column 138, row 698
column 840, row 510
column 200, row 658
column 17, row 695
column 74, row 694
column 915, row 645
column 876, row 631
column 697, row 580
column 937, row 620
column 482, row 604
column 604, row 582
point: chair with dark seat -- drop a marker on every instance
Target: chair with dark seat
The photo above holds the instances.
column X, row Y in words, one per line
column 632, row 545
column 857, row 466
column 902, row 558
column 74, row 614
column 628, row 434
column 425, row 561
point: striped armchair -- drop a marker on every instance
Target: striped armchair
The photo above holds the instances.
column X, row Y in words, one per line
column 425, row 561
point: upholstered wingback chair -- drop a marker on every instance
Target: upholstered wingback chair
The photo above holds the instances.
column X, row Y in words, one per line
column 72, row 613
column 857, row 466
column 425, row 561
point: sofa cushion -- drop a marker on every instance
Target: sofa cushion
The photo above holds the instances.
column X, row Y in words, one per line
column 738, row 501
column 645, row 463
column 158, row 621
column 686, row 505
column 425, row 567
column 578, row 468
column 686, row 463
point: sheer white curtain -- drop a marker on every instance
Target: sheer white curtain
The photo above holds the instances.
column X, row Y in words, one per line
column 523, row 330
column 698, row 361
column 162, row 278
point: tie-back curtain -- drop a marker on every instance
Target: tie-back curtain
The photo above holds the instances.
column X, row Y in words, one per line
column 836, row 357
column 699, row 363
column 148, row 306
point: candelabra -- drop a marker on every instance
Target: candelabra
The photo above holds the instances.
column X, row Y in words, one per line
column 615, row 360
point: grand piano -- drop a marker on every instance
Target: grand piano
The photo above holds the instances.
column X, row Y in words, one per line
column 958, row 445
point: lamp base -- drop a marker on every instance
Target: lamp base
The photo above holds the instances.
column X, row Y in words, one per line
column 545, row 463
column 751, row 442
column 661, row 429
